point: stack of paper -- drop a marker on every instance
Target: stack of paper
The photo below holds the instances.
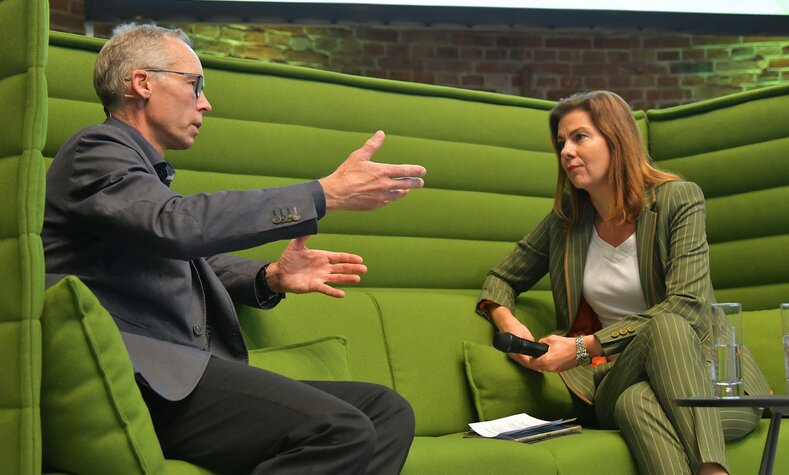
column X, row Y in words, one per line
column 524, row 428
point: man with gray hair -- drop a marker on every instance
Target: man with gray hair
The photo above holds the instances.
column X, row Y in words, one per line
column 157, row 262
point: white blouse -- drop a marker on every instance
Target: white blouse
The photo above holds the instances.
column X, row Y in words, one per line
column 612, row 285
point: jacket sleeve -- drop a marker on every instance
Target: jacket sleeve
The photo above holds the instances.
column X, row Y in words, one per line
column 687, row 282
column 520, row 269
column 113, row 190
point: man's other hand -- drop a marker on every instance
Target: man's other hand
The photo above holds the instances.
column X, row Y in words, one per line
column 360, row 184
column 300, row 270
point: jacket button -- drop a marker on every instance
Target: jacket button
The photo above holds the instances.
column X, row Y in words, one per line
column 631, row 329
column 615, row 334
column 198, row 329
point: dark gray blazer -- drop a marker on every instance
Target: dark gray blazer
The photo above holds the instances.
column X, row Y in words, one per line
column 155, row 258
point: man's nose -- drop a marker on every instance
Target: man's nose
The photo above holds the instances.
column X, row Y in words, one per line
column 203, row 104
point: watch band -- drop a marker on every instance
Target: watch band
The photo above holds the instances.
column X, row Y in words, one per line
column 582, row 356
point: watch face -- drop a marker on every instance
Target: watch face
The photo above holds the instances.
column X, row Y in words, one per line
column 584, row 360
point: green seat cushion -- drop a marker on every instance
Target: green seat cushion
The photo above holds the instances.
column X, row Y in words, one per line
column 324, row 359
column 93, row 418
column 500, row 387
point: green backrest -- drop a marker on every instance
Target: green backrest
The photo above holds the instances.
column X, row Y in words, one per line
column 737, row 149
column 491, row 177
column 23, row 91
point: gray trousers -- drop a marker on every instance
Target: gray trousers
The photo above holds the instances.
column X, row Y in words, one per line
column 637, row 396
column 242, row 419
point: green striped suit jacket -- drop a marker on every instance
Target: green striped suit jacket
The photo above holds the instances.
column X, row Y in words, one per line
column 673, row 263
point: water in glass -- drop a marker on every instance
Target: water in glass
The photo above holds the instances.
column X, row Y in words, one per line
column 727, row 377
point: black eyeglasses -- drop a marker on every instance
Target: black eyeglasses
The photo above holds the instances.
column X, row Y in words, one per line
column 199, row 84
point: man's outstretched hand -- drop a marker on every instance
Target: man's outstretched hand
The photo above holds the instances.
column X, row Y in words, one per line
column 300, row 270
column 360, row 184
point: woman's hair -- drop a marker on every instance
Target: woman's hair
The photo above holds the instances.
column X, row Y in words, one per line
column 131, row 47
column 629, row 172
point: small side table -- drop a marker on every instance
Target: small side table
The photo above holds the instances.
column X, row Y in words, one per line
column 778, row 405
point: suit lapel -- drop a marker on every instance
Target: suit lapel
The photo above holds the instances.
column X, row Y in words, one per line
column 576, row 247
column 646, row 224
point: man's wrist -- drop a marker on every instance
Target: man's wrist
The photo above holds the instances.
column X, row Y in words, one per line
column 271, row 278
column 266, row 296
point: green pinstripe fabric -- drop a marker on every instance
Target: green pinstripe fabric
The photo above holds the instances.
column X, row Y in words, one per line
column 674, row 270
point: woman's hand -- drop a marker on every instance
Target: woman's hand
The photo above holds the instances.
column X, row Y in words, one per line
column 505, row 321
column 560, row 355
column 300, row 270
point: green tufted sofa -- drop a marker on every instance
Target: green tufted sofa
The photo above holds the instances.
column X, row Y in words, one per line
column 411, row 324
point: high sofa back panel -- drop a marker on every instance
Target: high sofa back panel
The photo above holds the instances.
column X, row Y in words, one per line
column 737, row 149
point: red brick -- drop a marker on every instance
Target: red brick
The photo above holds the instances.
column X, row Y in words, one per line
column 447, row 65
column 521, row 55
column 373, row 49
column 692, row 81
column 471, row 54
column 66, row 22
column 570, row 82
column 716, row 40
column 352, row 47
column 551, row 83
column 779, row 63
column 472, row 80
column 596, row 69
column 557, row 94
column 666, row 42
column 617, row 82
column 645, row 68
column 595, row 83
column 376, row 73
column 370, row 34
column 387, row 62
column 672, row 55
column 342, row 32
column 568, row 42
column 426, row 36
column 496, row 68
column 327, row 44
column 545, row 55
column 312, row 58
column 668, row 81
column 593, row 57
column 424, row 77
column 642, row 81
column 470, row 39
column 447, row 79
column 769, row 76
column 77, row 8
column 644, row 55
column 569, row 56
column 717, row 53
column 397, row 51
column 693, row 54
column 401, row 75
column 261, row 52
column 60, row 6
column 765, row 39
column 618, row 56
column 447, row 52
column 495, row 54
column 627, row 42
column 558, row 69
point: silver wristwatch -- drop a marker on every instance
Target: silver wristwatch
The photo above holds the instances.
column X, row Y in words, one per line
column 582, row 356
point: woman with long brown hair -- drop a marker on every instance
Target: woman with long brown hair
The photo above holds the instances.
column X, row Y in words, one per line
column 626, row 249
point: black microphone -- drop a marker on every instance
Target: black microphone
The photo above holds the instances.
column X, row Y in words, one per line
column 509, row 343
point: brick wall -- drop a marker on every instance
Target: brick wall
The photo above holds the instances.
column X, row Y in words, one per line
column 649, row 69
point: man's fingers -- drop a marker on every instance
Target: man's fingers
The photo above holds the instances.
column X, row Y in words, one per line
column 372, row 145
column 298, row 244
column 343, row 279
column 330, row 291
column 403, row 170
column 348, row 269
column 405, row 183
column 343, row 258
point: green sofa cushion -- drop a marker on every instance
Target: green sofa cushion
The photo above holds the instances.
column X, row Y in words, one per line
column 94, row 420
column 324, row 359
column 500, row 387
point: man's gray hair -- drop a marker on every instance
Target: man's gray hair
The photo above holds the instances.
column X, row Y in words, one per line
column 131, row 47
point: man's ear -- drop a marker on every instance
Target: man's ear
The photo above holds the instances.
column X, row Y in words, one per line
column 140, row 85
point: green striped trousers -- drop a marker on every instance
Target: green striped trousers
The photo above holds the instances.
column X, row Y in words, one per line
column 637, row 395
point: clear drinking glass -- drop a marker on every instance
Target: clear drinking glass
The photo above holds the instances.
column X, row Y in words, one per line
column 785, row 338
column 726, row 348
